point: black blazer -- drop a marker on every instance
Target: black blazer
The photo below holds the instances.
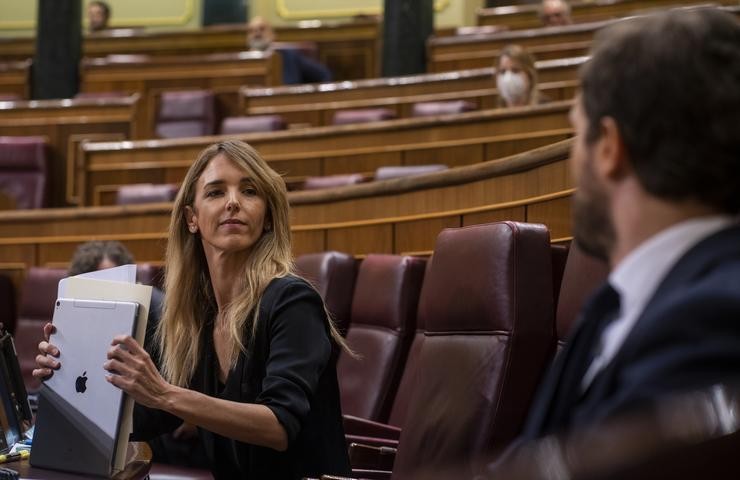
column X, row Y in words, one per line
column 288, row 369
column 687, row 337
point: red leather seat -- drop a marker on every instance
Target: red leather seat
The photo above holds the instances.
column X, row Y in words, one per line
column 24, row 170
column 334, row 275
column 582, row 275
column 146, row 193
column 332, row 181
column 487, row 308
column 38, row 295
column 252, row 124
column 362, row 115
column 385, row 173
column 186, row 114
column 430, row 109
column 383, row 317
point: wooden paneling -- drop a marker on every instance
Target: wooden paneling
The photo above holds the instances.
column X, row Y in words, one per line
column 14, row 78
column 65, row 123
column 329, row 150
column 395, row 216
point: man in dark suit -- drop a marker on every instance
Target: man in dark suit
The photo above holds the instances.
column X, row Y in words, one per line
column 656, row 161
column 297, row 67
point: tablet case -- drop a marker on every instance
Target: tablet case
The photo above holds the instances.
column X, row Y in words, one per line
column 79, row 415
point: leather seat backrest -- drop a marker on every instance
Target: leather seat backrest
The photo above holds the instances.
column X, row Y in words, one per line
column 24, row 169
column 487, row 308
column 188, row 113
column 252, row 124
column 334, row 275
column 332, row 181
column 146, row 193
column 38, row 295
column 383, row 317
column 583, row 274
column 362, row 115
column 385, row 173
column 429, row 109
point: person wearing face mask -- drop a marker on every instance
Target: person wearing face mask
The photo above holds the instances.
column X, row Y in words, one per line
column 516, row 78
column 297, row 68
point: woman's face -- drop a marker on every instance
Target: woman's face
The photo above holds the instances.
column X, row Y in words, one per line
column 227, row 211
column 513, row 82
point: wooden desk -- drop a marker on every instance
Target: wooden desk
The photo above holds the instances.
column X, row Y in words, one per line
column 139, row 459
column 517, row 17
column 454, row 140
column 316, row 104
column 151, row 76
column 65, row 124
column 349, row 49
column 14, row 78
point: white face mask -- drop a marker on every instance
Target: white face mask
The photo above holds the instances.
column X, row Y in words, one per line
column 512, row 87
column 260, row 44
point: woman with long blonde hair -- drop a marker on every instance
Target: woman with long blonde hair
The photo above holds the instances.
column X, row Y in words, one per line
column 245, row 345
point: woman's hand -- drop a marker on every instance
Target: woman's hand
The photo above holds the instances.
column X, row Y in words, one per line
column 44, row 360
column 132, row 370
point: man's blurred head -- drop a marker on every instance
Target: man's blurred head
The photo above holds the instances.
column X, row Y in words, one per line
column 98, row 14
column 555, row 13
column 260, row 34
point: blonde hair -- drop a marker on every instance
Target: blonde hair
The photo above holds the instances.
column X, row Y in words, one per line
column 526, row 62
column 189, row 294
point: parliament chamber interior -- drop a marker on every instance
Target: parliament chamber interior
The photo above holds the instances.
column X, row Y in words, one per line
column 430, row 200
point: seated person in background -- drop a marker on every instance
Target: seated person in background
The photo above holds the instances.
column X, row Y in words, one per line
column 516, row 78
column 98, row 15
column 245, row 344
column 555, row 13
column 297, row 68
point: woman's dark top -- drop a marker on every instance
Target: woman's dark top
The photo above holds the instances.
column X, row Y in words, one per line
column 287, row 368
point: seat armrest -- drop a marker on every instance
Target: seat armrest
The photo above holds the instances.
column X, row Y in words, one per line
column 368, row 428
column 370, row 457
column 371, row 441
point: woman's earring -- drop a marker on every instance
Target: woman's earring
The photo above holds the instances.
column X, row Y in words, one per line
column 193, row 229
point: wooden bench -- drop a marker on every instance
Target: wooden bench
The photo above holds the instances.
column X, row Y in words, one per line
column 316, row 104
column 454, row 140
column 393, row 216
column 65, row 124
column 14, row 78
column 481, row 50
column 151, row 76
column 349, row 49
column 517, row 17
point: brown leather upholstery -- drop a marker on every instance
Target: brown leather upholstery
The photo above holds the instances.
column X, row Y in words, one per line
column 332, row 181
column 583, row 274
column 383, row 316
column 385, row 173
column 429, row 109
column 24, row 170
column 487, row 307
column 333, row 274
column 188, row 113
column 38, row 294
column 7, row 304
column 559, row 258
column 362, row 115
column 251, row 124
column 146, row 193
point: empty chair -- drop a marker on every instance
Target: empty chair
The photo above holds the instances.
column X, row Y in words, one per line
column 385, row 173
column 334, row 275
column 362, row 115
column 146, row 193
column 332, row 181
column 7, row 303
column 488, row 315
column 429, row 109
column 383, row 316
column 583, row 274
column 38, row 295
column 24, row 171
column 252, row 124
column 186, row 114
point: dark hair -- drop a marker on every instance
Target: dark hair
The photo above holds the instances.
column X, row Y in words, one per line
column 104, row 6
column 88, row 256
column 671, row 82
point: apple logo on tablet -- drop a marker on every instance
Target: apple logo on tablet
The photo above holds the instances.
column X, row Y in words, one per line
column 81, row 383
